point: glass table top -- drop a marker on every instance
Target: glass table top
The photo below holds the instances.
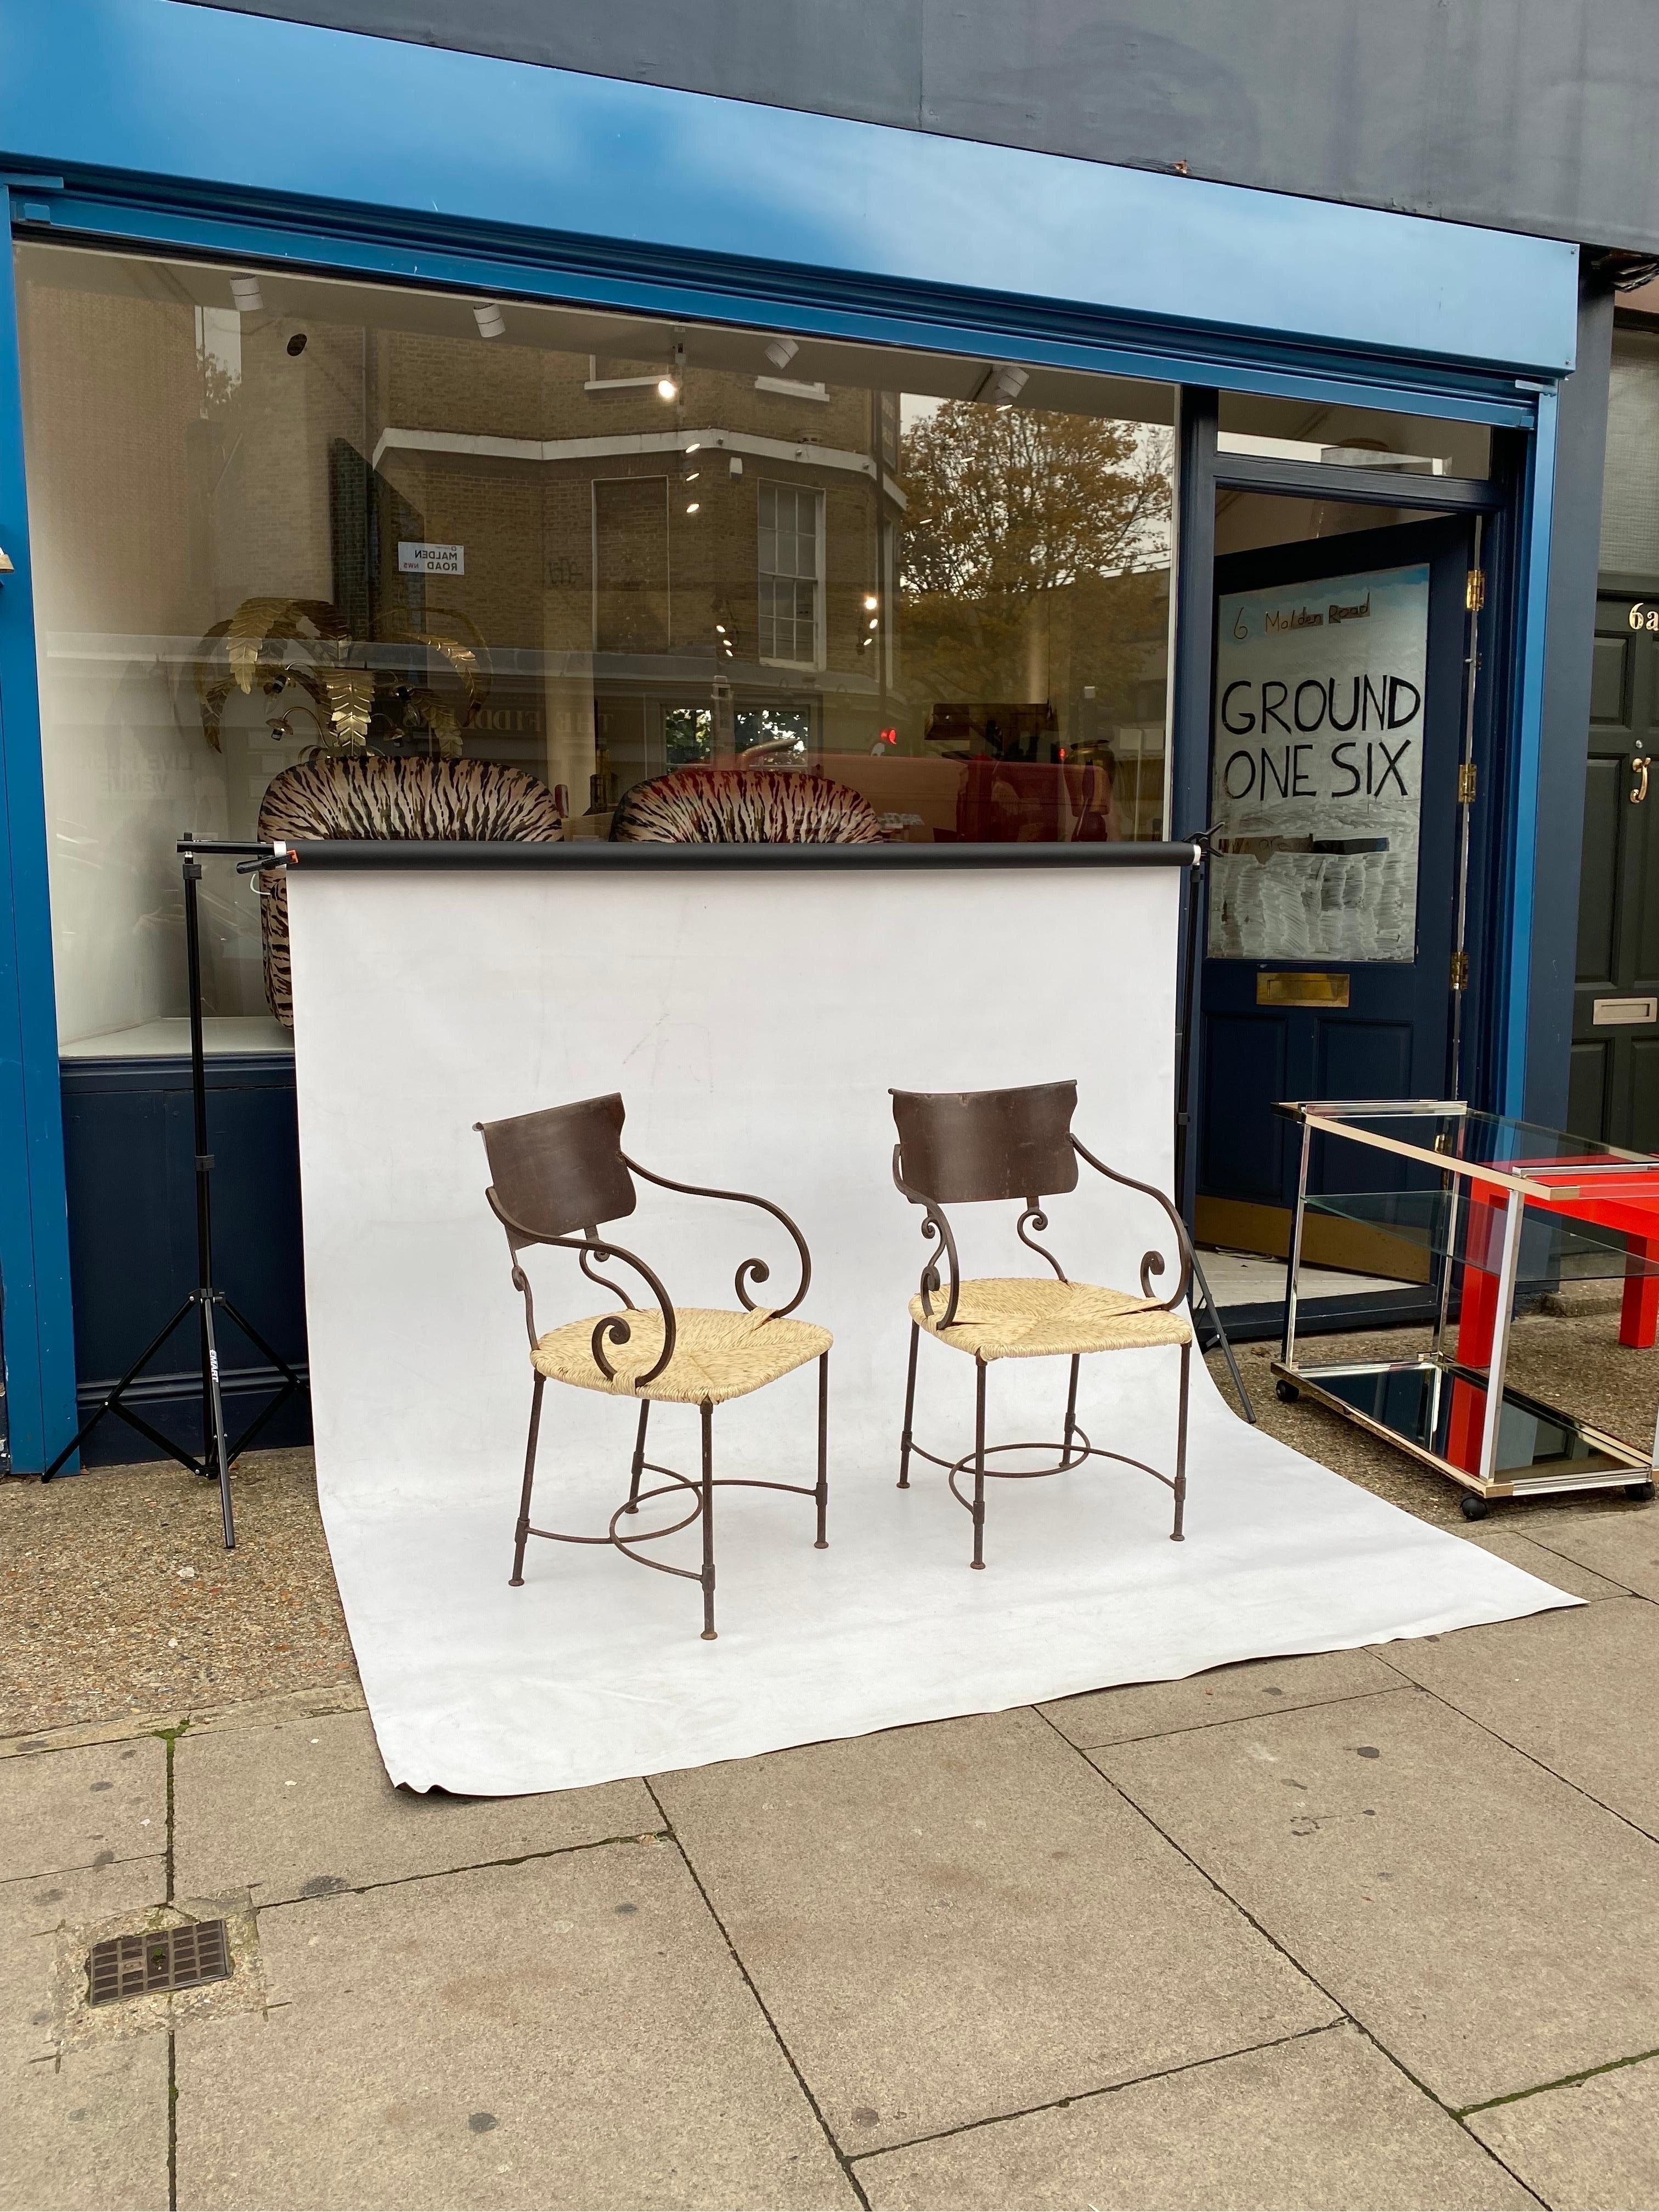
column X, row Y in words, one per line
column 1447, row 1134
column 1554, row 1246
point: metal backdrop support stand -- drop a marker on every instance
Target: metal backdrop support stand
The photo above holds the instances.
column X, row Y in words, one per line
column 206, row 1303
column 1201, row 1299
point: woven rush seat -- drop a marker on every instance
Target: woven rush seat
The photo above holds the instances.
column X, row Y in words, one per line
column 718, row 1354
column 1021, row 1317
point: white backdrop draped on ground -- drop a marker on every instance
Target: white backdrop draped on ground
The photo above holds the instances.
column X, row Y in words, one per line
column 753, row 1023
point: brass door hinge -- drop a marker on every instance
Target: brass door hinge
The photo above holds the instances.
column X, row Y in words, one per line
column 1460, row 971
column 1474, row 594
column 1466, row 784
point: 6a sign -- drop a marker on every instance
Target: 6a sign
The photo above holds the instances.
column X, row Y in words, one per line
column 1643, row 617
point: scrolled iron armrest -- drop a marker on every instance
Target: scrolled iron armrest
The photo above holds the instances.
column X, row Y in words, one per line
column 610, row 1328
column 934, row 1225
column 1151, row 1262
column 749, row 1271
column 1035, row 1217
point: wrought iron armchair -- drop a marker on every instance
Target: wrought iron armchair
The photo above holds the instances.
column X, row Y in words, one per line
column 556, row 1178
column 975, row 1146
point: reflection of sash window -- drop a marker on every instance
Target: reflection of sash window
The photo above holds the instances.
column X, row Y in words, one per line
column 790, row 566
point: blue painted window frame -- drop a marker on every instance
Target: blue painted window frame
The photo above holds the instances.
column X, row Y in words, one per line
column 306, row 225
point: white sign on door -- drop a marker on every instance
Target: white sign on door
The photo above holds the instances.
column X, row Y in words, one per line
column 1319, row 755
column 420, row 559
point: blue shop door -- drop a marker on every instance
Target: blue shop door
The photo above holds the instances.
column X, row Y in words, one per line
column 1337, row 734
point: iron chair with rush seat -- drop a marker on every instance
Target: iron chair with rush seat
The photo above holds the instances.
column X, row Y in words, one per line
column 977, row 1146
column 556, row 1178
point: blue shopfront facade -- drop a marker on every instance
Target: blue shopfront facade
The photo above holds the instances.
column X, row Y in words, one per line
column 194, row 136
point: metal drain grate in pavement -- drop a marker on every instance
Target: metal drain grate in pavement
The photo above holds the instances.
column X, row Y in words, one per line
column 171, row 1958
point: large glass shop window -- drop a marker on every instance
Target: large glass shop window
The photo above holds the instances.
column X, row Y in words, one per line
column 323, row 558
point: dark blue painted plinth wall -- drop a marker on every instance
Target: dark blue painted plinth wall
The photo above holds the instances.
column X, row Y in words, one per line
column 130, row 1157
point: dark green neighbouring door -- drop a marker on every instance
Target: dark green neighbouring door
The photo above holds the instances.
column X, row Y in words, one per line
column 1614, row 1089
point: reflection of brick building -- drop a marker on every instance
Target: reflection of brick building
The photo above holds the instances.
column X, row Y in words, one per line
column 656, row 578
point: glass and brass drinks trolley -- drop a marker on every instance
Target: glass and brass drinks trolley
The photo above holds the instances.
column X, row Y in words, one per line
column 1480, row 1206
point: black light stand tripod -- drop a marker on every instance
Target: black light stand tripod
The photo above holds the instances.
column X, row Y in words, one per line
column 205, row 1301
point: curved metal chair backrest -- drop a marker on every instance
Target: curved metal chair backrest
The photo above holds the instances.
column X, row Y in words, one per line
column 561, row 1169
column 962, row 1146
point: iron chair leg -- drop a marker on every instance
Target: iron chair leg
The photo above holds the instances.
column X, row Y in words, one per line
column 708, row 1412
column 516, row 1582
column 910, row 1409
column 639, row 1459
column 823, row 1543
column 1071, row 1415
column 979, row 1462
column 1175, row 1535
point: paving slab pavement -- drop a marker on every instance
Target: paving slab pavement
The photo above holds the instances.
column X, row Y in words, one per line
column 1586, row 2147
column 1487, row 1923
column 1323, row 2122
column 1226, row 1693
column 82, row 1807
column 1623, row 1545
column 960, row 1920
column 573, row 2032
column 1567, row 1695
column 88, row 2131
column 1535, row 1557
column 962, row 1970
column 301, row 1807
column 78, row 2128
column 48, row 1921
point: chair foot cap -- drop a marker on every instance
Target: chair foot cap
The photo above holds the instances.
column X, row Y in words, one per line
column 1178, row 1538
column 515, row 1581
column 822, row 1544
column 709, row 1636
column 979, row 1565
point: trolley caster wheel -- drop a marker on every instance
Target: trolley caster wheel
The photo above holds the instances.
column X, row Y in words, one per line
column 1473, row 1508
column 1641, row 1490
column 1288, row 1392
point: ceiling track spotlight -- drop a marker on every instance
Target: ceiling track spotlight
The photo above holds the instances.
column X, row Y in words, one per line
column 1007, row 384
column 782, row 351
column 492, row 324
column 244, row 291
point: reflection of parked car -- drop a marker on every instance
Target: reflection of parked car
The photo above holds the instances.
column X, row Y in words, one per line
column 1006, row 802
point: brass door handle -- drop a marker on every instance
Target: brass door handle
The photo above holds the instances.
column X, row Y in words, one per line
column 1638, row 790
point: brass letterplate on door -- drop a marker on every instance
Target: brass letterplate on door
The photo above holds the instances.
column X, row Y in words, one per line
column 1292, row 987
column 1624, row 1013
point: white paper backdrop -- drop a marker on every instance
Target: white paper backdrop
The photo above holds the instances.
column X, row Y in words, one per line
column 753, row 1023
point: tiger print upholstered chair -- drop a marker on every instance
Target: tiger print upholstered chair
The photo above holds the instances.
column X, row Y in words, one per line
column 975, row 1147
column 743, row 807
column 371, row 796
column 558, row 1178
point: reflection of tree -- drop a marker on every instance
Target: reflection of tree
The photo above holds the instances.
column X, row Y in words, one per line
column 1028, row 536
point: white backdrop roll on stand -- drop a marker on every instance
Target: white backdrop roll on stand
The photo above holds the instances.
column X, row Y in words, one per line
column 753, row 1021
